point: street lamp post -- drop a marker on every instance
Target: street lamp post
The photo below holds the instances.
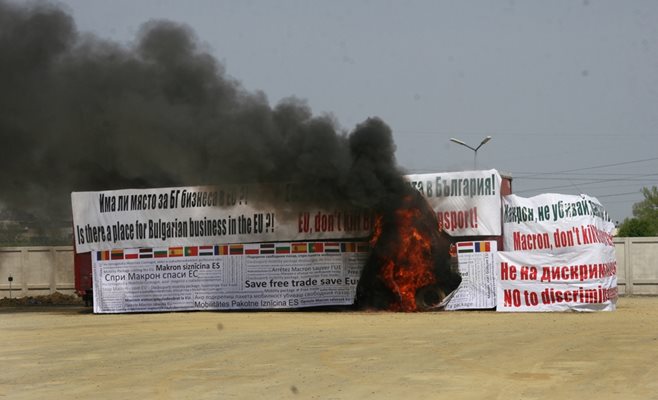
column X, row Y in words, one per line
column 475, row 149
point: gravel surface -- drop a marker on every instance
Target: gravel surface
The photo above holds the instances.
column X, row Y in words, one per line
column 56, row 298
column 69, row 353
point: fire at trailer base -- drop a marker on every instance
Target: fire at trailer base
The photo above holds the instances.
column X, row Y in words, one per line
column 409, row 266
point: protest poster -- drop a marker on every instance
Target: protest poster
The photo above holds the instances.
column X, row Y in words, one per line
column 560, row 255
column 476, row 267
column 574, row 280
column 195, row 216
column 466, row 203
column 227, row 276
column 554, row 222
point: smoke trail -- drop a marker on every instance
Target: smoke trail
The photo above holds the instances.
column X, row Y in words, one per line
column 81, row 113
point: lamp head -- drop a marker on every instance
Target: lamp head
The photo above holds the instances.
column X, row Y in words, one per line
column 458, row 141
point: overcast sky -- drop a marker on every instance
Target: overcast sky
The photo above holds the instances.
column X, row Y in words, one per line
column 567, row 89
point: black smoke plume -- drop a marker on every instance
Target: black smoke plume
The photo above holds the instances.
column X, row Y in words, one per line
column 78, row 112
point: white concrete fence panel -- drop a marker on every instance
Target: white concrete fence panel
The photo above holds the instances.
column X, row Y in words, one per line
column 36, row 271
column 637, row 265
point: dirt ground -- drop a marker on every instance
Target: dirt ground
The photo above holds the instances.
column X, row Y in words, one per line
column 66, row 352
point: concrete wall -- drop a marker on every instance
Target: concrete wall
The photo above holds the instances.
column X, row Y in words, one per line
column 637, row 265
column 44, row 270
column 36, row 270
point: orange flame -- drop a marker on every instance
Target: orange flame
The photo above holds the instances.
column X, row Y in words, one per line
column 409, row 267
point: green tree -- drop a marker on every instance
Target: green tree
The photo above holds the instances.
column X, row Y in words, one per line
column 633, row 227
column 645, row 213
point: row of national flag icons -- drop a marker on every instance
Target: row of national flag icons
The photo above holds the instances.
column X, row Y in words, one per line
column 474, row 247
column 235, row 249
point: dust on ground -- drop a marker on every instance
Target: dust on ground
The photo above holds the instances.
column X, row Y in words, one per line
column 67, row 352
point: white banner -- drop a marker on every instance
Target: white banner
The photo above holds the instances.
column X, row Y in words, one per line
column 554, row 222
column 466, row 203
column 476, row 267
column 560, row 256
column 577, row 279
column 193, row 216
column 229, row 276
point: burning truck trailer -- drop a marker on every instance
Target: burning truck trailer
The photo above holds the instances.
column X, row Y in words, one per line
column 400, row 259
